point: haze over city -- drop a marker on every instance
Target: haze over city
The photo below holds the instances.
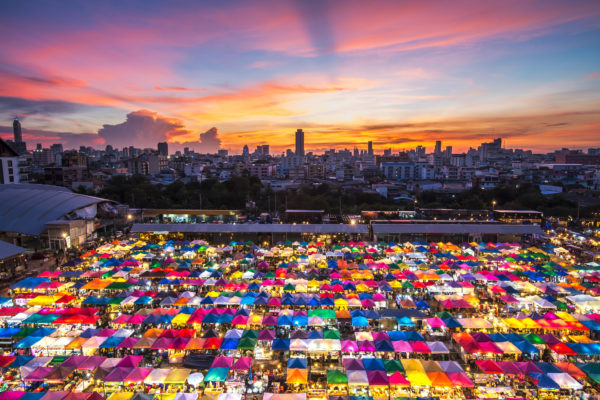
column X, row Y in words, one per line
column 395, row 73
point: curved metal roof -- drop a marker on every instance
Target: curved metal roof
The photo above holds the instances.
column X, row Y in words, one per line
column 10, row 250
column 27, row 208
column 252, row 228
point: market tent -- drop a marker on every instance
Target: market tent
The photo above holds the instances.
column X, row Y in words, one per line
column 334, row 377
column 216, row 375
column 358, row 377
column 297, row 376
column 565, row 381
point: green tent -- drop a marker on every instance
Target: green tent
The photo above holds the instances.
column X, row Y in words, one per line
column 119, row 286
column 250, row 334
column 27, row 331
column 534, row 338
column 331, row 334
column 336, row 377
column 115, row 300
column 247, row 344
column 392, row 366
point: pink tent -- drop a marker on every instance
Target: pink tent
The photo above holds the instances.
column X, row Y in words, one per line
column 130, row 361
column 242, row 364
column 460, row 379
column 397, row 379
column 420, row 347
column 435, row 322
column 222, row 362
column 12, row 395
column 402, row 346
column 349, row 345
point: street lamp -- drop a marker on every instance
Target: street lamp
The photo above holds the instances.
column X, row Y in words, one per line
column 493, row 204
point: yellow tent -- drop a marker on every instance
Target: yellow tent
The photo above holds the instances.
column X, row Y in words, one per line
column 121, row 396
column 178, row 375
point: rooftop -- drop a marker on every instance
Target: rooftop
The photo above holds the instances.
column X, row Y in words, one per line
column 27, row 208
column 9, row 250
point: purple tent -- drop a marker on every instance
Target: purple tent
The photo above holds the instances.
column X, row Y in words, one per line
column 222, row 362
column 266, row 334
column 128, row 343
column 57, row 395
column 91, row 363
column 138, row 374
column 130, row 361
column 118, row 374
column 378, row 378
column 74, row 361
column 353, row 364
column 39, row 374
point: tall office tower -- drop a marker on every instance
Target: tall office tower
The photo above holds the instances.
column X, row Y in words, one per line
column 163, row 148
column 246, row 150
column 438, row 147
column 370, row 148
column 265, row 150
column 18, row 144
column 300, row 143
column 17, row 131
column 448, row 151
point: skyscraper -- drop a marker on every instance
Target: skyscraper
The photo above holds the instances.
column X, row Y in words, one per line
column 370, row 148
column 18, row 144
column 438, row 147
column 163, row 148
column 300, row 143
column 17, row 130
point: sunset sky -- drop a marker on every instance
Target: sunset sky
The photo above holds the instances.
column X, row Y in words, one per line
column 397, row 73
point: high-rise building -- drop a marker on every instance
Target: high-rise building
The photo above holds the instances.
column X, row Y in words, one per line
column 17, row 131
column 370, row 148
column 18, row 144
column 163, row 148
column 245, row 150
column 9, row 164
column 300, row 143
column 438, row 147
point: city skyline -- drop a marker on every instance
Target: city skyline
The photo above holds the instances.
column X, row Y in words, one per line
column 232, row 74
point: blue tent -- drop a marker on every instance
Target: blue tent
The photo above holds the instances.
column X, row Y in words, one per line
column 112, row 342
column 297, row 363
column 373, row 364
column 360, row 322
column 281, row 344
column 28, row 342
column 230, row 344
